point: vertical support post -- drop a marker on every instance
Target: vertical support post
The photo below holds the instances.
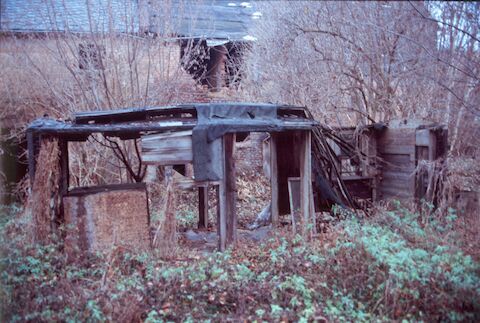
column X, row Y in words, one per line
column 274, row 179
column 231, row 188
column 226, row 196
column 306, row 181
column 32, row 143
column 313, row 216
column 203, row 207
column 222, row 205
column 64, row 166
column 221, row 216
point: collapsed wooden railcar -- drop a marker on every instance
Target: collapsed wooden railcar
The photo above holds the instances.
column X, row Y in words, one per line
column 392, row 161
column 311, row 166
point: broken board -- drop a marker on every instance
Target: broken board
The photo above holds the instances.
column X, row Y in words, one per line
column 171, row 148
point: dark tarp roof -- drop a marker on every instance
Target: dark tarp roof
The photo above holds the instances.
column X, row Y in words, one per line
column 209, row 121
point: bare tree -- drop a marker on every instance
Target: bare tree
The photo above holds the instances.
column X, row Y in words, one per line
column 360, row 62
column 114, row 60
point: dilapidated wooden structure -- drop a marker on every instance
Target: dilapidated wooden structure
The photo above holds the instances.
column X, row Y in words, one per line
column 311, row 166
column 391, row 161
column 203, row 135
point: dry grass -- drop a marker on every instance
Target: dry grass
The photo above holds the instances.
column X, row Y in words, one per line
column 43, row 76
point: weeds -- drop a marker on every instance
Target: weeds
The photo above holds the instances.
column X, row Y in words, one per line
column 390, row 266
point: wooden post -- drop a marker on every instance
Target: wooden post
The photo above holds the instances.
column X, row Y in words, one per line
column 312, row 212
column 222, row 206
column 226, row 196
column 274, row 179
column 203, row 207
column 305, row 181
column 221, row 216
column 64, row 166
column 231, row 189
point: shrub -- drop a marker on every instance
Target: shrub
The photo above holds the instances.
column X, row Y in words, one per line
column 389, row 266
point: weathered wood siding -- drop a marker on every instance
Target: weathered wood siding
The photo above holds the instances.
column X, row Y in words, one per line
column 174, row 148
column 396, row 148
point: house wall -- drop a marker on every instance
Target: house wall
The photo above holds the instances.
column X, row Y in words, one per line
column 41, row 75
column 44, row 75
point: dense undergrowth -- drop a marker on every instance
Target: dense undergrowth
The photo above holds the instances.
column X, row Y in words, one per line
column 395, row 265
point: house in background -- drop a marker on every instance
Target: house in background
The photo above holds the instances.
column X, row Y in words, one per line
column 208, row 38
column 218, row 31
column 211, row 34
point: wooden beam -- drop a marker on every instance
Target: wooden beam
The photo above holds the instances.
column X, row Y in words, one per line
column 306, row 182
column 231, row 190
column 274, row 179
column 133, row 129
column 203, row 207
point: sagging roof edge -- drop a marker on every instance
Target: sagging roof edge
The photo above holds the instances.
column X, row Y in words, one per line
column 167, row 118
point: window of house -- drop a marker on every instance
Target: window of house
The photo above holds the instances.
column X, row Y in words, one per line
column 90, row 56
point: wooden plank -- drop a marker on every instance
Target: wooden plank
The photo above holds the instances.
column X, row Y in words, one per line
column 313, row 216
column 167, row 148
column 305, row 181
column 63, row 129
column 133, row 129
column 294, row 197
column 132, row 114
column 432, row 148
column 274, row 179
column 397, row 159
column 398, row 137
column 230, row 184
column 397, row 149
column 166, row 135
column 85, row 190
column 221, row 216
column 203, row 207
column 222, row 208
